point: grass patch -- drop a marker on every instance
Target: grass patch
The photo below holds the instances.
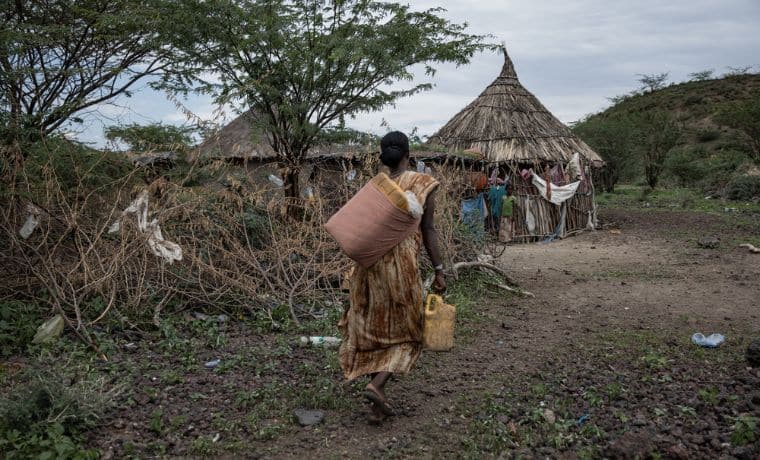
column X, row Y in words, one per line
column 640, row 197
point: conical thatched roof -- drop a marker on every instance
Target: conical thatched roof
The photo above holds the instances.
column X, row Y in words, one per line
column 239, row 140
column 507, row 123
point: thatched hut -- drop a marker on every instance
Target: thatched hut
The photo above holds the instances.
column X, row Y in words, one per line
column 239, row 142
column 514, row 132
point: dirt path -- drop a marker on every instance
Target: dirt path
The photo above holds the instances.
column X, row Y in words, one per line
column 598, row 364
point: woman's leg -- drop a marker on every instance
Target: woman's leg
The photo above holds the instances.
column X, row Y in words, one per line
column 375, row 392
column 378, row 382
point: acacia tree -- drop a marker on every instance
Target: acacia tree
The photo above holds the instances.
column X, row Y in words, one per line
column 301, row 66
column 659, row 132
column 615, row 139
column 744, row 116
column 653, row 82
column 61, row 57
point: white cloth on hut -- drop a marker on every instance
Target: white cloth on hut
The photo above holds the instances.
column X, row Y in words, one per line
column 559, row 193
column 530, row 221
column 574, row 168
column 167, row 250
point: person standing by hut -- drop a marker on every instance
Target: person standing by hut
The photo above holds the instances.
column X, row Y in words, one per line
column 382, row 327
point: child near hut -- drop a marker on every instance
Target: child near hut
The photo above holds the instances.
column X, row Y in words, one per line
column 507, row 227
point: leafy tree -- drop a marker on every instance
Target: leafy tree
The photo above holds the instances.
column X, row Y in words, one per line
column 614, row 138
column 659, row 132
column 59, row 58
column 744, row 116
column 304, row 65
column 702, row 75
column 155, row 136
column 653, row 82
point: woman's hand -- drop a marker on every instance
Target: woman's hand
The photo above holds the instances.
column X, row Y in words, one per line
column 439, row 283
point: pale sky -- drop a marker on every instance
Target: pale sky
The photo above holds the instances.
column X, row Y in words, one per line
column 572, row 55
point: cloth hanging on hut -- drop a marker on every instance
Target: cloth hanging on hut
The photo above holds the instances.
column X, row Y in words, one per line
column 474, row 213
column 530, row 221
column 495, row 196
column 559, row 193
column 559, row 230
column 557, row 175
column 574, row 168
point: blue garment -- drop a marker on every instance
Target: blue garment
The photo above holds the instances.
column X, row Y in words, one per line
column 495, row 194
column 474, row 214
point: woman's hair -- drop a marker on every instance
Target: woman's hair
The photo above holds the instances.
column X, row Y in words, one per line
column 394, row 147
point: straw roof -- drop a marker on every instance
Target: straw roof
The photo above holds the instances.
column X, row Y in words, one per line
column 240, row 140
column 508, row 123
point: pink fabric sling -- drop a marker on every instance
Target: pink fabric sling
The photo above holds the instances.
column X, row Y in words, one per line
column 373, row 221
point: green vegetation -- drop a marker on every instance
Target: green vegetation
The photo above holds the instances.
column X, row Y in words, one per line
column 18, row 323
column 52, row 405
column 47, row 79
column 744, row 430
column 686, row 199
column 700, row 134
column 152, row 137
column 304, row 66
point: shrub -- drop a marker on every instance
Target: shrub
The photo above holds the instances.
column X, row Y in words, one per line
column 18, row 322
column 45, row 415
column 708, row 135
column 77, row 168
column 743, row 188
column 687, row 165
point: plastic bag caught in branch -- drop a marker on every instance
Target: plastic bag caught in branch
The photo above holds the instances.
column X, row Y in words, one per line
column 32, row 221
column 167, row 250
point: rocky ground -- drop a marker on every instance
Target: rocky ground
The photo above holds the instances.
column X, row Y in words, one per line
column 598, row 364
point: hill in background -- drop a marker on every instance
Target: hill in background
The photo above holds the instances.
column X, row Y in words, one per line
column 711, row 151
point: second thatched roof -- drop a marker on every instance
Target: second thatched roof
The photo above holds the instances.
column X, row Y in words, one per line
column 242, row 140
column 507, row 123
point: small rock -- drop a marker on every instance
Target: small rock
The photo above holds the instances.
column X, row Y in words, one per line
column 639, row 420
column 708, row 242
column 549, row 416
column 753, row 353
column 309, row 417
column 677, row 452
column 631, row 445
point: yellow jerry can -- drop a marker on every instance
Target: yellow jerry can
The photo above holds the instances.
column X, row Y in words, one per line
column 438, row 332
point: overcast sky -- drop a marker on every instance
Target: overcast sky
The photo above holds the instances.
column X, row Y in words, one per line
column 572, row 55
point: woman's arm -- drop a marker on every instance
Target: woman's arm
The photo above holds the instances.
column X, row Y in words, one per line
column 430, row 239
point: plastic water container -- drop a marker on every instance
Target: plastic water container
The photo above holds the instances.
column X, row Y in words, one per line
column 438, row 332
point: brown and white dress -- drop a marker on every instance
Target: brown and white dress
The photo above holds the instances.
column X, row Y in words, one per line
column 382, row 327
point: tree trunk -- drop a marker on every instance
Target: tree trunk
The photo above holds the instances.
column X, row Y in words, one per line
column 291, row 186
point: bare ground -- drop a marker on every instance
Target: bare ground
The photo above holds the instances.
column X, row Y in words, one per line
column 598, row 364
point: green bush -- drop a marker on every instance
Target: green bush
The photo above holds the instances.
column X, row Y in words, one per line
column 75, row 166
column 46, row 415
column 18, row 323
column 696, row 167
column 708, row 135
column 743, row 188
column 688, row 165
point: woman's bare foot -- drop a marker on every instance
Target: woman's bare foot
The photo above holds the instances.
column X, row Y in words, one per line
column 375, row 416
column 377, row 397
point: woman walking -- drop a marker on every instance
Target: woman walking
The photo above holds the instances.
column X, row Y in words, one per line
column 382, row 328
